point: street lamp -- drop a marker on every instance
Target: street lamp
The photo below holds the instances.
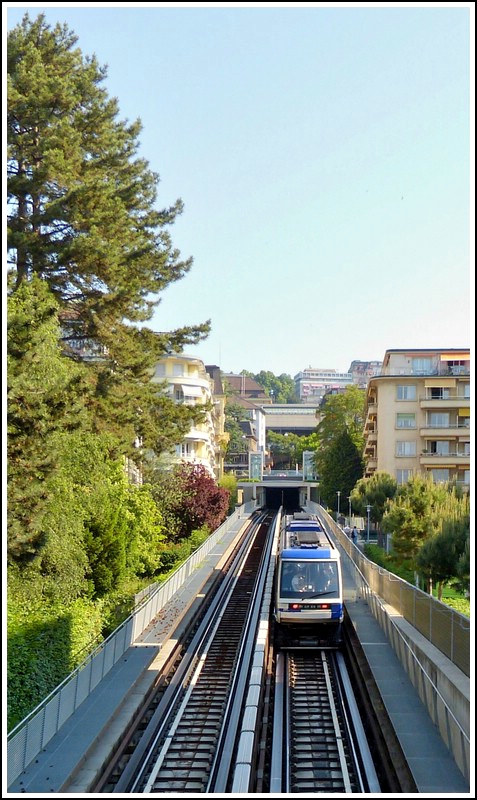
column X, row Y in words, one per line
column 338, row 511
column 368, row 510
column 349, row 501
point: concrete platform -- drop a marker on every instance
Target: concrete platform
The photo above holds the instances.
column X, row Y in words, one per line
column 77, row 753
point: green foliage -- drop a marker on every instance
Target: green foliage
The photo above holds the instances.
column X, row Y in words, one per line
column 375, row 491
column 286, row 449
column 340, row 466
column 229, row 483
column 234, row 414
column 418, row 512
column 145, row 534
column 46, row 395
column 343, row 413
column 280, row 388
column 44, row 644
column 82, row 217
column 441, row 556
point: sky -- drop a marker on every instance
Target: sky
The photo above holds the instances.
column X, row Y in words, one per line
column 324, row 153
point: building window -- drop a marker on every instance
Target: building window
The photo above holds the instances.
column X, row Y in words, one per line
column 403, row 475
column 160, row 370
column 405, row 420
column 178, row 370
column 439, row 475
column 405, row 448
column 406, row 392
column 439, row 448
column 438, row 420
column 467, row 391
column 438, row 394
column 178, row 394
column 422, row 366
column 185, row 450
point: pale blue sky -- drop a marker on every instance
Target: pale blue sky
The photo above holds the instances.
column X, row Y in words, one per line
column 324, row 155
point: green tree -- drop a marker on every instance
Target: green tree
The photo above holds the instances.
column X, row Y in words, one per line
column 440, row 557
column 375, row 491
column 46, row 394
column 229, row 483
column 280, row 387
column 343, row 412
column 82, row 217
column 340, row 466
column 285, row 449
column 418, row 511
column 234, row 415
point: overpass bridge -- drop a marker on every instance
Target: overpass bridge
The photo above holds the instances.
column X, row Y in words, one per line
column 287, row 489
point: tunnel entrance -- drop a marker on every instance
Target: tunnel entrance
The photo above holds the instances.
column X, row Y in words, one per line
column 288, row 497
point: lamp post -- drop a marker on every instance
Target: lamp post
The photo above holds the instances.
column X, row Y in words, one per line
column 349, row 501
column 338, row 507
column 368, row 510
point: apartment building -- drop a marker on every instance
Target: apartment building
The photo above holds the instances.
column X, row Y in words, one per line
column 188, row 381
column 418, row 416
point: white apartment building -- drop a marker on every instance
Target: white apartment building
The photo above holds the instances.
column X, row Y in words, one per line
column 189, row 382
column 418, row 416
column 311, row 384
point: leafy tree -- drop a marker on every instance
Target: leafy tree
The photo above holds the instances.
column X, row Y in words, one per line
column 375, row 491
column 281, row 388
column 418, row 512
column 234, row 415
column 284, row 449
column 439, row 557
column 188, row 499
column 343, row 412
column 145, row 535
column 340, row 467
column 229, row 483
column 46, row 394
column 82, row 217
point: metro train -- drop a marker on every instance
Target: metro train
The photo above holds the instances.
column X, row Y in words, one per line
column 308, row 604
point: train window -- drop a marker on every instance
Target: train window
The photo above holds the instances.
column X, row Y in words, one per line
column 308, row 577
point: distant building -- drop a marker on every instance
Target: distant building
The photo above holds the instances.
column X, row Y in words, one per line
column 362, row 371
column 245, row 387
column 312, row 384
column 418, row 416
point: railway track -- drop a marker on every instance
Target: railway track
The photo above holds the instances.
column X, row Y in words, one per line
column 318, row 742
column 316, row 711
column 179, row 748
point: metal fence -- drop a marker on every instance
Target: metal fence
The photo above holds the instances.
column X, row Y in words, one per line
column 445, row 628
column 31, row 735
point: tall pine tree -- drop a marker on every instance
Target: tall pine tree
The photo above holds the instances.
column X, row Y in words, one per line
column 82, row 216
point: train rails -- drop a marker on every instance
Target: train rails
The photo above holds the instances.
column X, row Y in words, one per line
column 180, row 748
column 318, row 745
column 308, row 735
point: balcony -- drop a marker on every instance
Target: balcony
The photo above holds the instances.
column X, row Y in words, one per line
column 451, row 432
column 444, row 403
column 436, row 460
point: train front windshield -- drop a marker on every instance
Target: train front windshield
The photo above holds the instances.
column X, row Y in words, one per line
column 309, row 579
